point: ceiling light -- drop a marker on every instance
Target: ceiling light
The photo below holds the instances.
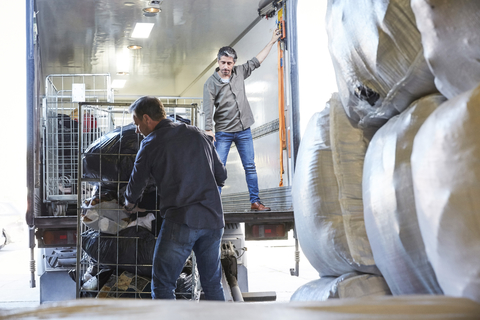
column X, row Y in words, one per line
column 129, row 4
column 142, row 30
column 152, row 10
column 134, row 47
column 118, row 84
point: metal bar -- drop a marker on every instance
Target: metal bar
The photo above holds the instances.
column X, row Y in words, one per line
column 260, row 217
column 188, row 106
column 61, row 222
column 296, row 271
column 78, row 75
column 292, row 46
column 30, row 92
column 135, row 97
column 79, row 206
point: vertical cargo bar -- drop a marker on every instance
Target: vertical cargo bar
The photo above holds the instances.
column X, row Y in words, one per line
column 30, row 92
column 291, row 47
column 78, row 276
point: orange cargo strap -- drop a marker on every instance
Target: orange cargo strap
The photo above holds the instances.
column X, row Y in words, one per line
column 281, row 111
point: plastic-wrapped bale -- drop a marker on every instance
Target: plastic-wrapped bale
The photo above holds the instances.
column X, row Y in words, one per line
column 389, row 203
column 378, row 58
column 446, row 179
column 333, row 241
column 350, row 285
column 349, row 146
column 451, row 42
column 318, row 218
column 110, row 158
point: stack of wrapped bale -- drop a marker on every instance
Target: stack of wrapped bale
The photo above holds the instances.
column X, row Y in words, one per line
column 408, row 75
column 380, row 69
column 446, row 150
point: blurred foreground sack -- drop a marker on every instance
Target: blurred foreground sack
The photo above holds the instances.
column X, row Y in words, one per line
column 416, row 307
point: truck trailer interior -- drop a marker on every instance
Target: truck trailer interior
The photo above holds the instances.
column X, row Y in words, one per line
column 368, row 155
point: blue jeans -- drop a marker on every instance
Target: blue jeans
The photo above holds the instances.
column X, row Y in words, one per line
column 174, row 244
column 244, row 143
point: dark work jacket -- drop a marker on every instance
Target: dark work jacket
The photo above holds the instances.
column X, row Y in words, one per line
column 185, row 166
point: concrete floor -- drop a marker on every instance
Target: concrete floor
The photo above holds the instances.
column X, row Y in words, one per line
column 15, row 291
column 268, row 263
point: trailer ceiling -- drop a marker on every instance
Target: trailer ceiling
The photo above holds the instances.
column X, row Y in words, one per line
column 91, row 36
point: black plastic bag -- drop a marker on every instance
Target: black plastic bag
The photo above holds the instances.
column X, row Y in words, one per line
column 135, row 247
column 111, row 157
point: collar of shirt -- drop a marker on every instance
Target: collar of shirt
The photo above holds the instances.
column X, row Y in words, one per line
column 163, row 123
column 216, row 76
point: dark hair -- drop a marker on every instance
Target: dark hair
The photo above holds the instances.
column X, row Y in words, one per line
column 150, row 106
column 227, row 52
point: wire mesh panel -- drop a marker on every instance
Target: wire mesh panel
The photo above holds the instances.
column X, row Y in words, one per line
column 61, row 131
column 115, row 249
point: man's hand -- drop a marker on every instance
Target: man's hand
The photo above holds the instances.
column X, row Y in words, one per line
column 276, row 35
column 211, row 134
column 132, row 207
column 265, row 51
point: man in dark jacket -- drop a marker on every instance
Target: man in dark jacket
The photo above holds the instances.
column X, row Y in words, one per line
column 187, row 172
column 224, row 93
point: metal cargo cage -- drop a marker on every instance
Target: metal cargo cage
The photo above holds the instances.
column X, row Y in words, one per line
column 61, row 130
column 115, row 249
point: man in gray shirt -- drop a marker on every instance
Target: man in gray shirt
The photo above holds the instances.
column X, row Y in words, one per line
column 224, row 93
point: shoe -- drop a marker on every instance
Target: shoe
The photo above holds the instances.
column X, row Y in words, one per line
column 258, row 206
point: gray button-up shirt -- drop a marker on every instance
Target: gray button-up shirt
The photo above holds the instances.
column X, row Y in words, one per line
column 228, row 100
